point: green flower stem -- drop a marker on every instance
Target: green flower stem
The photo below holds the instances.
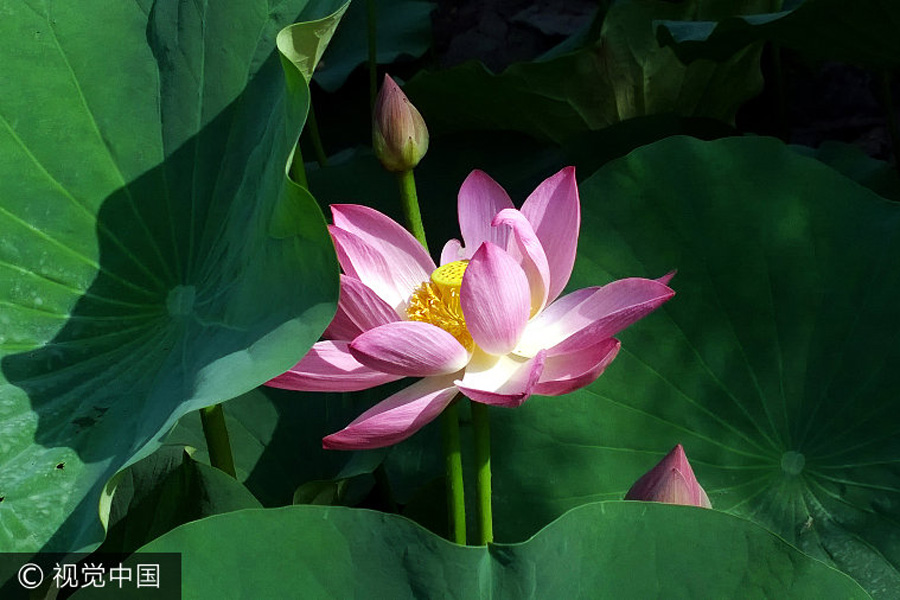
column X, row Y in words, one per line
column 213, row 420
column 482, row 430
column 312, row 130
column 373, row 54
column 297, row 172
column 456, row 500
column 410, row 201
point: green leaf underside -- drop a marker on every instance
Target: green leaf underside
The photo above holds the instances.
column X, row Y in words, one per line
column 164, row 490
column 780, row 342
column 604, row 550
column 624, row 74
column 866, row 35
column 144, row 158
column 304, row 43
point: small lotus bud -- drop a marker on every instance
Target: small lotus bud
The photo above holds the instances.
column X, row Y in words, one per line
column 399, row 134
column 671, row 481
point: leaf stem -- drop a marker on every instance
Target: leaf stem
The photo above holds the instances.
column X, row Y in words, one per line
column 456, row 502
column 410, row 201
column 482, row 429
column 213, row 420
column 373, row 54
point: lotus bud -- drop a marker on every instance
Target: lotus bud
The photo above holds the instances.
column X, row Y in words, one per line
column 671, row 481
column 399, row 134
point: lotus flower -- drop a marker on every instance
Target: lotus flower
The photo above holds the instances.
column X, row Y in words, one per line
column 488, row 323
column 671, row 481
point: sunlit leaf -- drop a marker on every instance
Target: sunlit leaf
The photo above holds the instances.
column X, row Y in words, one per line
column 304, row 43
column 604, row 550
column 144, row 152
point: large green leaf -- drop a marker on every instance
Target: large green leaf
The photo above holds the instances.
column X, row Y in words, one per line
column 605, row 550
column 144, row 153
column 622, row 75
column 864, row 32
column 772, row 364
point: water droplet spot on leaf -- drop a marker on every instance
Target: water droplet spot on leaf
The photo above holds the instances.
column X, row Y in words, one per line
column 792, row 462
column 180, row 301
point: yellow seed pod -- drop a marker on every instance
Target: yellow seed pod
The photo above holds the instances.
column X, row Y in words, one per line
column 450, row 276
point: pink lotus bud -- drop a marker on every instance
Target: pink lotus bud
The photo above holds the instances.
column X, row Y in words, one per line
column 671, row 481
column 399, row 134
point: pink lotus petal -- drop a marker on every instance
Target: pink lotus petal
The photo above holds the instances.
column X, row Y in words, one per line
column 389, row 272
column 566, row 373
column 341, row 327
column 582, row 320
column 665, row 279
column 480, row 199
column 359, row 309
column 554, row 210
column 408, row 261
column 329, row 367
column 501, row 380
column 396, row 418
column 628, row 302
column 525, row 247
column 411, row 349
column 382, row 232
column 451, row 252
column 671, row 481
column 495, row 299
column 545, row 330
